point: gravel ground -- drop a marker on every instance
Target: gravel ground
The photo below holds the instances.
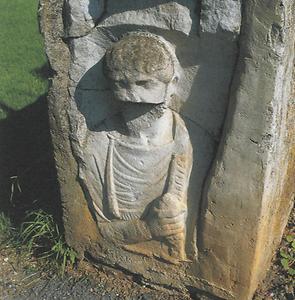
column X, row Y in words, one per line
column 21, row 279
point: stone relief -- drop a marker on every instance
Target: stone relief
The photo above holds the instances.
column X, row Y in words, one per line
column 134, row 159
column 135, row 166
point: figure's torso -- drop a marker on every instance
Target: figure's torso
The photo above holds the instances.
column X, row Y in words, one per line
column 140, row 170
column 138, row 175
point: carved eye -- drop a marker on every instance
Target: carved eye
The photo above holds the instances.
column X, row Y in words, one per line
column 144, row 83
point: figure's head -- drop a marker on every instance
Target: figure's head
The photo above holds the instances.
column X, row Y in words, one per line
column 141, row 67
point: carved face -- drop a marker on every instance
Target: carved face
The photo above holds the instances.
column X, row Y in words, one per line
column 139, row 88
column 140, row 68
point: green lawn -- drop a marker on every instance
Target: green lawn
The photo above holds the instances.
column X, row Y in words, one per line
column 21, row 54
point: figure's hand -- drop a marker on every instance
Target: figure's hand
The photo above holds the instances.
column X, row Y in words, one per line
column 167, row 217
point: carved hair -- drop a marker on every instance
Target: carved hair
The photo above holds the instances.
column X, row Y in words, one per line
column 142, row 52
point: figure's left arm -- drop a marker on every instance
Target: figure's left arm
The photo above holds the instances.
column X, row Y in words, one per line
column 172, row 207
column 180, row 169
column 170, row 210
column 181, row 163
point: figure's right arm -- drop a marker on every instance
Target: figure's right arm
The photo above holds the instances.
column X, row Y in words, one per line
column 128, row 232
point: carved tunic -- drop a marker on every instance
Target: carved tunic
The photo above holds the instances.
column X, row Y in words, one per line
column 121, row 179
column 136, row 176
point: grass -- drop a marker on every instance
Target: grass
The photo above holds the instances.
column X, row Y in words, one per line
column 21, row 55
column 287, row 255
column 5, row 226
column 39, row 236
column 24, row 133
column 25, row 139
column 43, row 238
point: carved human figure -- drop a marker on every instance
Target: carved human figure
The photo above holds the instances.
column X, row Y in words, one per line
column 136, row 165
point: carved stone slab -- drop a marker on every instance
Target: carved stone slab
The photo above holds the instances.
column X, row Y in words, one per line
column 173, row 132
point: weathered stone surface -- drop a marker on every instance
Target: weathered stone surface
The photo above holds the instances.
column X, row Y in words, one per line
column 82, row 15
column 249, row 194
column 221, row 16
column 169, row 16
column 237, row 211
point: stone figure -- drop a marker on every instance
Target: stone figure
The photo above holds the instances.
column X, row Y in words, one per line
column 135, row 166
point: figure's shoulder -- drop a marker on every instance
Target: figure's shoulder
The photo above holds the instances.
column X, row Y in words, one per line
column 180, row 129
column 181, row 134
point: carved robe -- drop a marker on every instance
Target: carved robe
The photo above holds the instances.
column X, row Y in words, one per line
column 122, row 179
